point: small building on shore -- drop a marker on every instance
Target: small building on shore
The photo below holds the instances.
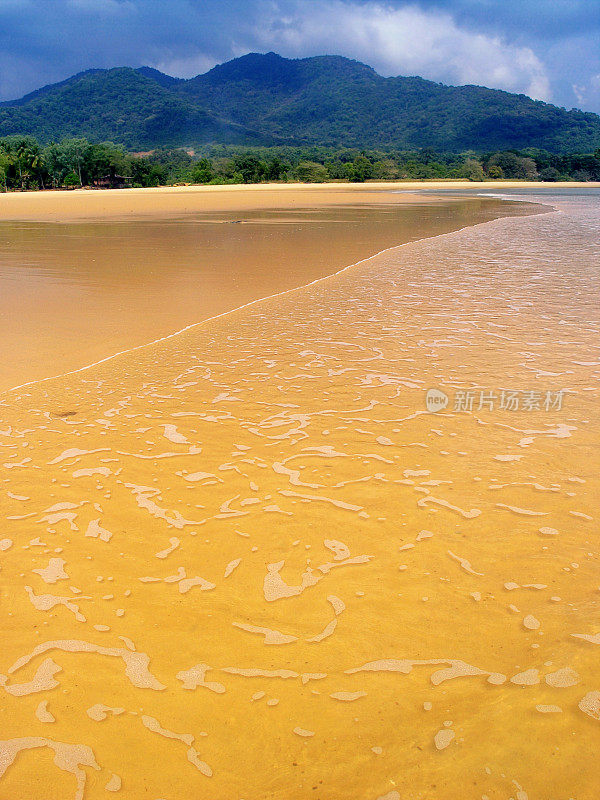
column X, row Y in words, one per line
column 113, row 182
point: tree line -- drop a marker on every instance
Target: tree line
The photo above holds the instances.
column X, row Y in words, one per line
column 25, row 164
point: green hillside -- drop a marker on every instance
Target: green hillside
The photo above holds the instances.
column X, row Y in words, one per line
column 122, row 105
column 269, row 100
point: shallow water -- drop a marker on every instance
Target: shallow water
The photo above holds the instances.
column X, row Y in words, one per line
column 263, row 570
column 73, row 293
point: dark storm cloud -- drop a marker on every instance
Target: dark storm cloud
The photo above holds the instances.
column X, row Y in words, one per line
column 551, row 19
column 546, row 48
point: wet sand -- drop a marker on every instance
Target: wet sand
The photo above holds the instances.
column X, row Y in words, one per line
column 175, row 201
column 72, row 293
column 245, row 562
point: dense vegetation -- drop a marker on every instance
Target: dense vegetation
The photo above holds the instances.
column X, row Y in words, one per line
column 267, row 100
column 25, row 164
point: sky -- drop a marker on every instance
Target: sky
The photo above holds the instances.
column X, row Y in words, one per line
column 547, row 49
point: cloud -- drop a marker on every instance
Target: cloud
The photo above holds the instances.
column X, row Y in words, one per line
column 403, row 41
column 187, row 66
column 523, row 20
column 588, row 94
column 538, row 47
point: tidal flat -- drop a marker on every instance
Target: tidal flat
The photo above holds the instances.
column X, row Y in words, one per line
column 84, row 275
column 247, row 562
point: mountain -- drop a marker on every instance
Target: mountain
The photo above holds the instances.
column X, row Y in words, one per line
column 136, row 108
column 266, row 99
column 159, row 77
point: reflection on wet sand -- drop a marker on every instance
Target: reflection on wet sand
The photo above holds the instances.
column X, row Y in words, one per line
column 245, row 562
column 73, row 293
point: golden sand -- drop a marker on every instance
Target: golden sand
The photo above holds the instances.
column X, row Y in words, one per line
column 174, row 201
column 247, row 563
column 72, row 293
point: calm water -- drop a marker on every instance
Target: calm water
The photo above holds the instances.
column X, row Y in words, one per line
column 73, row 293
column 247, row 563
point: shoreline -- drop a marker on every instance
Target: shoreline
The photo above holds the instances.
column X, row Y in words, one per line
column 117, row 269
column 544, row 209
column 171, row 202
column 183, row 494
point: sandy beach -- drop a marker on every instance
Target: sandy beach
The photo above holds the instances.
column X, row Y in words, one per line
column 299, row 400
column 113, row 271
column 175, row 201
column 248, row 562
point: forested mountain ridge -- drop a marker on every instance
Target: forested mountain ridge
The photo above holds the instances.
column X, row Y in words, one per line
column 122, row 105
column 264, row 99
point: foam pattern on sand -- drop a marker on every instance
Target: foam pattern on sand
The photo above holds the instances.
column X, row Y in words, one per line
column 250, row 564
